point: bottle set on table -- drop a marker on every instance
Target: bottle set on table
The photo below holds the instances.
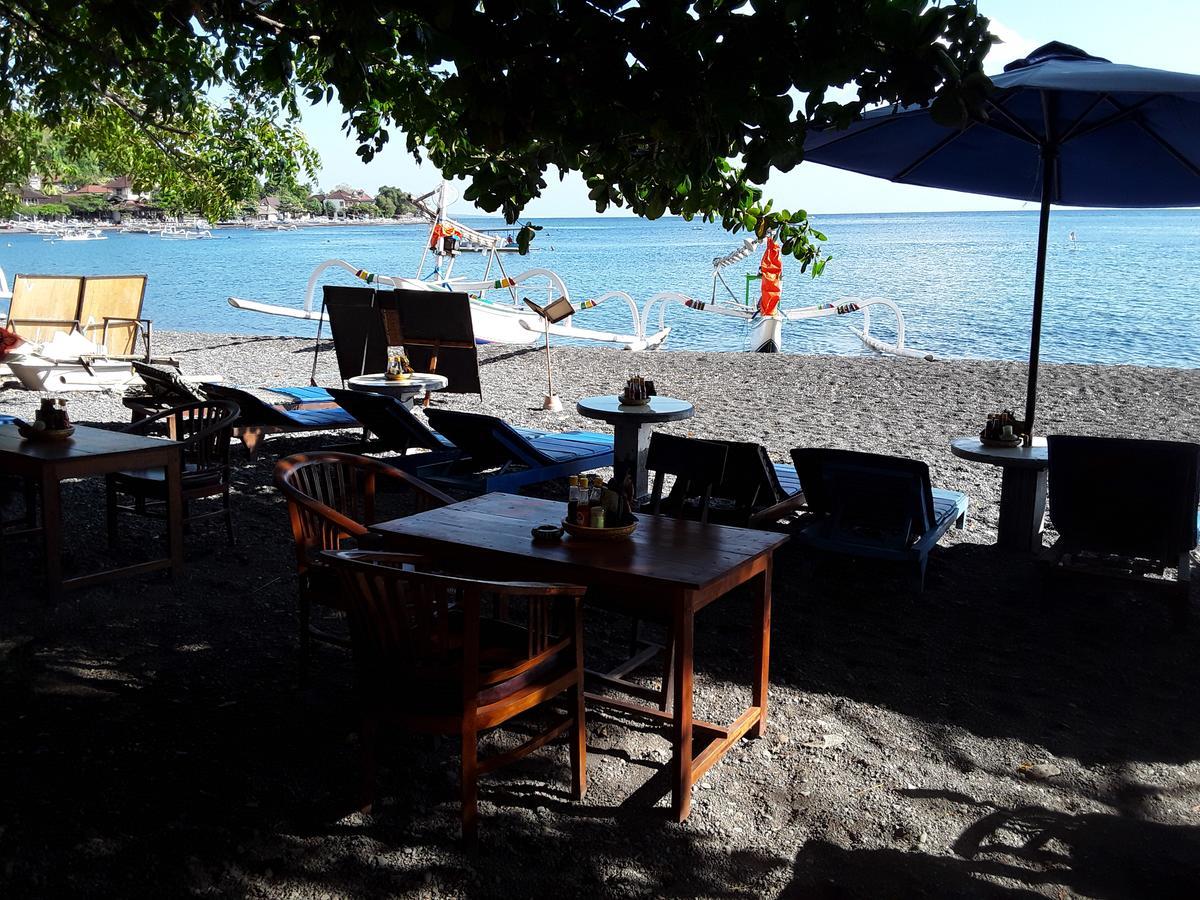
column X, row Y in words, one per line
column 593, row 504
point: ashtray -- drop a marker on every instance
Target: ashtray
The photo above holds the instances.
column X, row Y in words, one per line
column 546, row 534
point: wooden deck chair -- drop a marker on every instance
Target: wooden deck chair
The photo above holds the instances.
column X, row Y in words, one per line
column 874, row 506
column 437, row 333
column 44, row 305
column 499, row 457
column 1125, row 508
column 359, row 341
column 110, row 314
column 259, row 418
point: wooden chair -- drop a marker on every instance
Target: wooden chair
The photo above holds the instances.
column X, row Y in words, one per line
column 204, row 430
column 44, row 305
column 331, row 503
column 426, row 656
column 874, row 506
column 697, row 466
column 110, row 314
column 1125, row 508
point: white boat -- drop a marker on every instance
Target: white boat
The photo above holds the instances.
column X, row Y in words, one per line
column 68, row 362
column 766, row 320
column 175, row 233
column 507, row 320
column 76, row 234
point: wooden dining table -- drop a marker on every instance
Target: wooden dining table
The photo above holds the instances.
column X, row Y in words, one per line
column 89, row 452
column 668, row 570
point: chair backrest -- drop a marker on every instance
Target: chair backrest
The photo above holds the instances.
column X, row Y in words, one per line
column 331, row 497
column 388, row 419
column 204, row 429
column 1125, row 496
column 359, row 340
column 165, row 385
column 750, row 482
column 44, row 305
column 401, row 624
column 114, row 297
column 697, row 466
column 437, row 333
column 868, row 498
column 488, row 440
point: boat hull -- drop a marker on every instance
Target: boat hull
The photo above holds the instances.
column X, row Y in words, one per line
column 101, row 375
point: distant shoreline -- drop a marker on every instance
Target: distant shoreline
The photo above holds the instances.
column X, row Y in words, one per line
column 8, row 226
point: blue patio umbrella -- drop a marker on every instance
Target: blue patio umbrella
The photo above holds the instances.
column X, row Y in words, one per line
column 1062, row 127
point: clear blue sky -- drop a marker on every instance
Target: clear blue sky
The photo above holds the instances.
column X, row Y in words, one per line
column 1159, row 33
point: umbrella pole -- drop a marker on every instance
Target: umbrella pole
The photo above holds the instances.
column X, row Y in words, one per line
column 1039, row 282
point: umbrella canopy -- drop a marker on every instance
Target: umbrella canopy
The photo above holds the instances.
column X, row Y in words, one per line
column 1062, row 127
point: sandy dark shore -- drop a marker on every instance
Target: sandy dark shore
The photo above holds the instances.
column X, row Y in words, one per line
column 156, row 741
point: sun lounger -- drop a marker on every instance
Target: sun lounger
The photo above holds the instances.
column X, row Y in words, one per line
column 499, row 457
column 477, row 452
column 874, row 506
column 1124, row 508
column 260, row 418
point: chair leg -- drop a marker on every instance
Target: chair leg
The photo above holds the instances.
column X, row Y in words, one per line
column 469, row 780
column 110, row 500
column 578, row 744
column 230, row 534
column 305, row 637
column 368, row 739
column 918, row 584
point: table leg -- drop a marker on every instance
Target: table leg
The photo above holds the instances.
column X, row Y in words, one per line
column 1022, row 509
column 681, row 789
column 175, row 514
column 631, row 446
column 52, row 533
column 762, row 650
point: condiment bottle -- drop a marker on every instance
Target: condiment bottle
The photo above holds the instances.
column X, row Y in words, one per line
column 572, row 497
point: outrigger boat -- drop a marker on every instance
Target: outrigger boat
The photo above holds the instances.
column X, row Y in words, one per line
column 766, row 317
column 507, row 320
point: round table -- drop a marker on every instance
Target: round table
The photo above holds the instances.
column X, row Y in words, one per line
column 406, row 390
column 631, row 429
column 1022, row 488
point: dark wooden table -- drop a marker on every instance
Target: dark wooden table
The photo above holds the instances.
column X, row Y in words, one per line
column 1022, row 489
column 631, row 429
column 669, row 570
column 92, row 451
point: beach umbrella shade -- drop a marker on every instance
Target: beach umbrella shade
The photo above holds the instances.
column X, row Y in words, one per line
column 1061, row 127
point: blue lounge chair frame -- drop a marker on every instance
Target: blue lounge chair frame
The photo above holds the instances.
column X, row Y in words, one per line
column 874, row 506
column 1127, row 498
column 260, row 418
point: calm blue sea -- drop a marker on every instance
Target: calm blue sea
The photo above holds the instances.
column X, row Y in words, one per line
column 1126, row 291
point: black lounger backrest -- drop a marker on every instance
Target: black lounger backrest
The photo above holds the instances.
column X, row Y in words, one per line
column 388, row 419
column 1126, row 496
column 419, row 319
column 865, row 491
column 166, row 385
column 358, row 336
column 253, row 410
column 489, row 441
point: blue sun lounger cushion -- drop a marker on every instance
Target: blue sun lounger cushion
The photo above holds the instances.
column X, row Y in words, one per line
column 870, row 505
column 303, row 394
column 499, row 457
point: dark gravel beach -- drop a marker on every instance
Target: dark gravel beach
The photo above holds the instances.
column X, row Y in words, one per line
column 1000, row 736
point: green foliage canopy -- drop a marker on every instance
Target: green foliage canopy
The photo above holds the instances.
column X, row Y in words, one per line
column 680, row 107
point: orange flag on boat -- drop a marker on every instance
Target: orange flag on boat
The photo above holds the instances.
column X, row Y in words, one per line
column 771, row 270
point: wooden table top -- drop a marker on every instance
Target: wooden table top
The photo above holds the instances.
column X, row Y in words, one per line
column 85, row 442
column 667, row 551
column 972, row 448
